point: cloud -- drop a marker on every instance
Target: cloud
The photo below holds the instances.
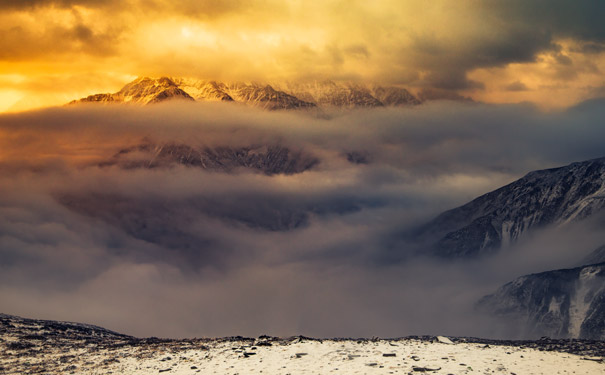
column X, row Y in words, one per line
column 516, row 86
column 183, row 251
column 442, row 48
column 25, row 4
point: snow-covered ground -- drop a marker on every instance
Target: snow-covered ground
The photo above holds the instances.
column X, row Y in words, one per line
column 305, row 357
column 30, row 346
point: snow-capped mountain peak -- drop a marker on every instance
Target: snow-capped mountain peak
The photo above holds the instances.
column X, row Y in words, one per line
column 274, row 96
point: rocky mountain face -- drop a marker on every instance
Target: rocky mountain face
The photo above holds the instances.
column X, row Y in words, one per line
column 597, row 256
column 271, row 97
column 270, row 160
column 541, row 198
column 28, row 332
column 143, row 91
column 568, row 303
column 348, row 95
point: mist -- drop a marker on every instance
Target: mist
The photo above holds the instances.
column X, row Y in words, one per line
column 181, row 251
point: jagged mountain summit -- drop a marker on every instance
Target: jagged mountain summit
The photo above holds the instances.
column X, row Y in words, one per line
column 271, row 97
column 142, row 91
column 567, row 303
column 349, row 95
column 542, row 198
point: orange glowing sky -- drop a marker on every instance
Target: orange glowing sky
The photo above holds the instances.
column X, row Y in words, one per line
column 548, row 52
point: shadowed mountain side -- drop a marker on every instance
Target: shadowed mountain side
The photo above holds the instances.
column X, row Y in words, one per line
column 547, row 197
column 597, row 256
column 568, row 303
column 188, row 223
column 269, row 160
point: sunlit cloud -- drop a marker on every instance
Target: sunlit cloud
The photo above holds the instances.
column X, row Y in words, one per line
column 445, row 49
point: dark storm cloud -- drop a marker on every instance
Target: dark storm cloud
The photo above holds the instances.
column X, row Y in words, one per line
column 19, row 43
column 181, row 251
column 25, row 4
column 514, row 32
column 578, row 19
column 450, row 62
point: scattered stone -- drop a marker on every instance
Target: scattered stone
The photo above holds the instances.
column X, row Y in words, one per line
column 299, row 355
column 166, row 370
column 389, row 355
column 372, row 364
column 425, row 369
column 415, row 358
column 194, row 367
column 444, row 340
column 596, row 359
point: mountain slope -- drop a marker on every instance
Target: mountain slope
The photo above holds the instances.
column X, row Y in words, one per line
column 349, row 95
column 568, row 303
column 541, row 198
column 143, row 91
column 270, row 160
column 597, row 256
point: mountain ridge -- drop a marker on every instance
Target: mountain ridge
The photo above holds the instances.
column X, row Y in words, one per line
column 554, row 196
column 563, row 303
column 276, row 96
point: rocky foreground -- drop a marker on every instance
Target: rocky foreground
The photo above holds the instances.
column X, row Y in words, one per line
column 30, row 346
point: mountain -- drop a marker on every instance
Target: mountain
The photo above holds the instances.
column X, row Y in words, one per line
column 349, row 95
column 143, row 91
column 567, row 303
column 257, row 95
column 547, row 197
column 597, row 256
column 270, row 160
column 278, row 96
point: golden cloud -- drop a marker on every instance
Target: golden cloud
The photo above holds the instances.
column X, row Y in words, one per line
column 81, row 47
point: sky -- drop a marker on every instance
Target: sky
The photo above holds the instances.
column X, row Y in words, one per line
column 87, row 235
column 547, row 52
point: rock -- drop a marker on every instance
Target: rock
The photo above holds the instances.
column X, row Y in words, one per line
column 444, row 340
column 389, row 355
column 425, row 369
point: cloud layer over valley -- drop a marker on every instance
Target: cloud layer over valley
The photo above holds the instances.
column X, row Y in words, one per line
column 93, row 231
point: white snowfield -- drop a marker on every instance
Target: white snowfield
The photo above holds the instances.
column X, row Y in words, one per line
column 301, row 356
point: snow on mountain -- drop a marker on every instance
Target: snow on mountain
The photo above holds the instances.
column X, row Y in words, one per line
column 265, row 97
column 143, row 91
column 278, row 96
column 349, row 95
column 597, row 256
column 204, row 90
column 568, row 303
column 547, row 197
